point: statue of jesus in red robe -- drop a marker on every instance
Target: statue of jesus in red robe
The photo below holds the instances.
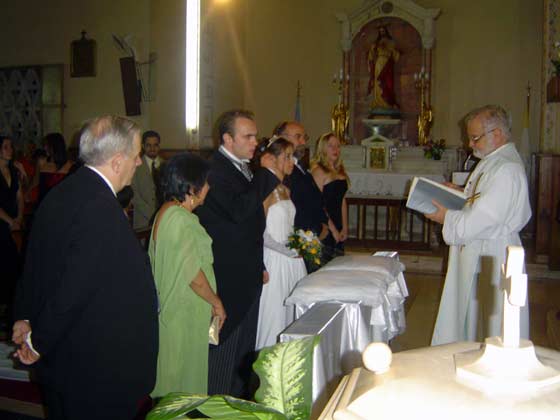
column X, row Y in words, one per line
column 382, row 57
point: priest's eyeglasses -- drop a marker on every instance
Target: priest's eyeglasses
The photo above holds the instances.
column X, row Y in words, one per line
column 477, row 138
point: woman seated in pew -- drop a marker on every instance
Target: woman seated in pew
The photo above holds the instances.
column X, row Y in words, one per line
column 180, row 251
column 330, row 176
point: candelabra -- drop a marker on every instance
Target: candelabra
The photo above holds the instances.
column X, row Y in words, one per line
column 340, row 114
column 425, row 117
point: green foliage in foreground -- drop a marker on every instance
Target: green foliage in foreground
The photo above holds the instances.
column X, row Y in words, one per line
column 285, row 393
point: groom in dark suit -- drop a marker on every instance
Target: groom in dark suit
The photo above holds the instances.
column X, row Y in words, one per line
column 87, row 292
column 233, row 216
column 310, row 213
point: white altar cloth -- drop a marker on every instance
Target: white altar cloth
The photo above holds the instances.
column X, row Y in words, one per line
column 384, row 183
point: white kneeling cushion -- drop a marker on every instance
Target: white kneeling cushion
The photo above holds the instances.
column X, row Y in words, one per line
column 383, row 265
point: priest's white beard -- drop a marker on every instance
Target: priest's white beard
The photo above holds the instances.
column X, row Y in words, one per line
column 478, row 154
column 490, row 147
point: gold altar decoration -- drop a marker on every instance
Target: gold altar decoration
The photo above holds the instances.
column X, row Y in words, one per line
column 377, row 151
column 339, row 121
column 425, row 120
column 425, row 117
column 340, row 114
column 377, row 157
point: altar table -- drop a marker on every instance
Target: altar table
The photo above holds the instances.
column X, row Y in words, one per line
column 384, row 183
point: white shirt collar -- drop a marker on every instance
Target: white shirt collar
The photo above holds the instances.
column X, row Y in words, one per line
column 296, row 162
column 150, row 160
column 103, row 177
column 232, row 156
column 497, row 151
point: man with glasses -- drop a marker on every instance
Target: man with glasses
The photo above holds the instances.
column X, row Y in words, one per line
column 310, row 214
column 497, row 209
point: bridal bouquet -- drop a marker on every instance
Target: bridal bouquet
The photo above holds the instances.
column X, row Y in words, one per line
column 307, row 245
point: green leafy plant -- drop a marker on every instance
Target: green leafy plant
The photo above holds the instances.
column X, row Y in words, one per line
column 285, row 372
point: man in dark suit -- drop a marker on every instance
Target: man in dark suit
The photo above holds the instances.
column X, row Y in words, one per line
column 87, row 292
column 233, row 216
column 145, row 182
column 310, row 213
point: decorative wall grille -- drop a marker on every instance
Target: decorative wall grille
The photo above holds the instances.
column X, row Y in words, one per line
column 21, row 104
column 31, row 103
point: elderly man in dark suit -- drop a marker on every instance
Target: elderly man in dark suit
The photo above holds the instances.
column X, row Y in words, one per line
column 234, row 217
column 310, row 213
column 87, row 292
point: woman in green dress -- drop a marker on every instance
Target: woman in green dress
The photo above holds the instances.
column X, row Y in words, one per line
column 181, row 256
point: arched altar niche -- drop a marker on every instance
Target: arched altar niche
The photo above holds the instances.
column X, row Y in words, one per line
column 408, row 43
column 408, row 23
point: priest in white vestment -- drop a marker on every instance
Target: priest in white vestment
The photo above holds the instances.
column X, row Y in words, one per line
column 496, row 210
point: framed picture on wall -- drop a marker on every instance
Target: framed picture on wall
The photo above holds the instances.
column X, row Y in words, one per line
column 83, row 57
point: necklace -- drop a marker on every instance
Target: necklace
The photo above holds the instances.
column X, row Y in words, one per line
column 179, row 204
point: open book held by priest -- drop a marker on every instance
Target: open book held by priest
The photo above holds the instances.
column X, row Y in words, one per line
column 423, row 191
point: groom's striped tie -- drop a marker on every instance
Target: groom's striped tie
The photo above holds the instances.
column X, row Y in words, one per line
column 245, row 170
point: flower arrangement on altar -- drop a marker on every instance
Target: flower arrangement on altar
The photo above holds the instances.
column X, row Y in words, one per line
column 434, row 149
column 307, row 245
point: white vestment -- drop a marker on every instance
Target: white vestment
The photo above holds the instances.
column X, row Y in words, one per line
column 472, row 300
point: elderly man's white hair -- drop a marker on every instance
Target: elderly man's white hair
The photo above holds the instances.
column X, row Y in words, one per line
column 104, row 137
column 493, row 116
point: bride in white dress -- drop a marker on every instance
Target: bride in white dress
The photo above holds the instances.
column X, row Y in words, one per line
column 283, row 265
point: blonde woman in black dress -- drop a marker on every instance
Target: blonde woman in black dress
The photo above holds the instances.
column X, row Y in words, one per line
column 331, row 178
